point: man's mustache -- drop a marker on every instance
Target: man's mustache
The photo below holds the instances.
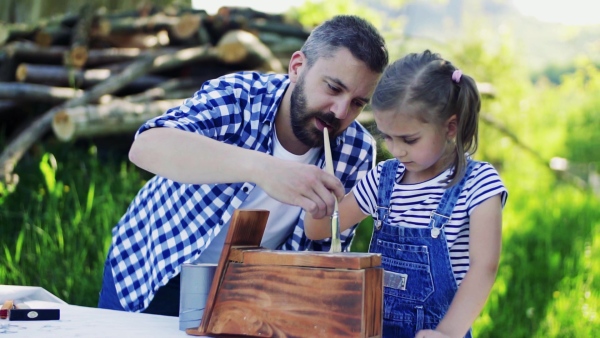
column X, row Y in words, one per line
column 329, row 119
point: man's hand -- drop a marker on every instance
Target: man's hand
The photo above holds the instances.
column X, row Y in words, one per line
column 304, row 185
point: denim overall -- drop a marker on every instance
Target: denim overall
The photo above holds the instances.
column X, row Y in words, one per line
column 419, row 284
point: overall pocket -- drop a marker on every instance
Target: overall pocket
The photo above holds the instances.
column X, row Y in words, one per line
column 407, row 270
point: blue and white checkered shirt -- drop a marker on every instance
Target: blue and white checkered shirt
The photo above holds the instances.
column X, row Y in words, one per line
column 170, row 223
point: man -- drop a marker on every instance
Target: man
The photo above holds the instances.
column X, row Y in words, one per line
column 245, row 140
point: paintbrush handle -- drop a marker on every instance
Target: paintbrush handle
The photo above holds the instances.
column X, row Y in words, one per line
column 336, row 244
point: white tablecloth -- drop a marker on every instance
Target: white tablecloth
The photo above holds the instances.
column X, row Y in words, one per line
column 80, row 321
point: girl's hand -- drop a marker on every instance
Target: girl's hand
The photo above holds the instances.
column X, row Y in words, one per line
column 430, row 334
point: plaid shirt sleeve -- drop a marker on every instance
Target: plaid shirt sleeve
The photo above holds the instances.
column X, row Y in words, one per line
column 213, row 111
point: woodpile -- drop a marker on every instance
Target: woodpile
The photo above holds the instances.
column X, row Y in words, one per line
column 96, row 73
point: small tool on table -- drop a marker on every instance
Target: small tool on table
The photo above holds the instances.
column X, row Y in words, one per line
column 13, row 312
column 336, row 244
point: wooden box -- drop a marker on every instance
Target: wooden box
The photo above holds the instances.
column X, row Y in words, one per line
column 267, row 293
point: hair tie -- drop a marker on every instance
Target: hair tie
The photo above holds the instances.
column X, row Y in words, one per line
column 456, row 75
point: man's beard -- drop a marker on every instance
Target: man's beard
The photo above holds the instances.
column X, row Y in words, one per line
column 302, row 119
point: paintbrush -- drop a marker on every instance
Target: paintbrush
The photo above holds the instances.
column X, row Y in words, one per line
column 336, row 244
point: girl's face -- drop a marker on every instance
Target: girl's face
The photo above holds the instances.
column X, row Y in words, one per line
column 423, row 148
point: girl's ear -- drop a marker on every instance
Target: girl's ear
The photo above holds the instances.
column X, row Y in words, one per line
column 451, row 127
column 297, row 65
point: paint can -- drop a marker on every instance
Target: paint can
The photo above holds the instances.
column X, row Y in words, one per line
column 196, row 279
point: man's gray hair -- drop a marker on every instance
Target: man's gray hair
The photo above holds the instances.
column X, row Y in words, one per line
column 357, row 35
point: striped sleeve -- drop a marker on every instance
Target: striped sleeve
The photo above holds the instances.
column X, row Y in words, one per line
column 365, row 191
column 483, row 184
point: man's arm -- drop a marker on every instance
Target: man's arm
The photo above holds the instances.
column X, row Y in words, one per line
column 192, row 158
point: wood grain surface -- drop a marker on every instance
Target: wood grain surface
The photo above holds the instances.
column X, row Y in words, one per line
column 281, row 301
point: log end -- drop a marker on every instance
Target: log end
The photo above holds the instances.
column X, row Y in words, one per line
column 62, row 126
column 76, row 57
column 4, row 34
column 188, row 25
column 43, row 39
column 103, row 28
column 21, row 73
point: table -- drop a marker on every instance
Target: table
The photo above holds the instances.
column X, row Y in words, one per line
column 81, row 321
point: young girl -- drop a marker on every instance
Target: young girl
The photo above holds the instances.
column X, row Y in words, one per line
column 437, row 213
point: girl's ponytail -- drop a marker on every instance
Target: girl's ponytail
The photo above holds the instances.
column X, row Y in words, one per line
column 468, row 104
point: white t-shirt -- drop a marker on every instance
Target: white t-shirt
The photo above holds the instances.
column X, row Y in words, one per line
column 282, row 217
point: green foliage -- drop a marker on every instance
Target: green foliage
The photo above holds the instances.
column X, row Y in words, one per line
column 56, row 226
column 313, row 13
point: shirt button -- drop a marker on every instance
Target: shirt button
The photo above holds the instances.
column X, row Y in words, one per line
column 245, row 189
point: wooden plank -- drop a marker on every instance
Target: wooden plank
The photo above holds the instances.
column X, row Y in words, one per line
column 284, row 301
column 373, row 302
column 246, row 228
column 346, row 260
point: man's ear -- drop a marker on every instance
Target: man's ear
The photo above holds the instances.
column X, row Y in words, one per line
column 451, row 127
column 297, row 65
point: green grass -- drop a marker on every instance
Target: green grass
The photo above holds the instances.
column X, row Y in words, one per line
column 547, row 285
column 56, row 227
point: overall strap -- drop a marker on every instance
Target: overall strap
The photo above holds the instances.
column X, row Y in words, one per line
column 442, row 215
column 384, row 190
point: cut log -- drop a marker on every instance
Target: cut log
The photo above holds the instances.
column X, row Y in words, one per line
column 233, row 18
column 26, row 51
column 238, row 46
column 6, row 105
column 80, row 36
column 103, row 56
column 249, row 13
column 11, row 32
column 135, row 40
column 37, row 93
column 181, row 27
column 19, row 145
column 116, row 117
column 278, row 28
column 169, row 89
column 53, row 35
column 187, row 26
column 281, row 46
column 31, row 53
column 64, row 77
